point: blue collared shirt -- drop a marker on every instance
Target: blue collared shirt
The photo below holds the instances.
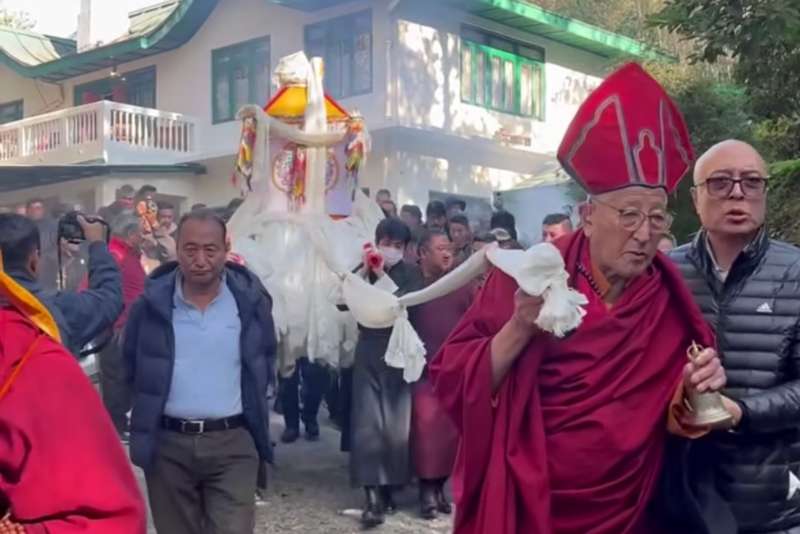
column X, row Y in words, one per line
column 207, row 377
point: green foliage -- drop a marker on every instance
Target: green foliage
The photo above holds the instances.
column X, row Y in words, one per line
column 628, row 17
column 713, row 110
column 19, row 20
column 783, row 209
column 762, row 36
column 778, row 139
column 686, row 222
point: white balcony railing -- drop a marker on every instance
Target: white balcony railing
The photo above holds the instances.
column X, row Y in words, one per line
column 103, row 131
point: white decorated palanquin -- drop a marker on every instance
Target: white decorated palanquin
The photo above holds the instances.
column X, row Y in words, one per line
column 287, row 188
column 304, row 217
column 304, row 223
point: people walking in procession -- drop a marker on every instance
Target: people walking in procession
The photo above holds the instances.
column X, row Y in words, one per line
column 567, row 436
column 200, row 345
column 380, row 458
column 434, row 439
column 310, row 381
column 746, row 284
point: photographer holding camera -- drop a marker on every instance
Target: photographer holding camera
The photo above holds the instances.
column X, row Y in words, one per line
column 80, row 316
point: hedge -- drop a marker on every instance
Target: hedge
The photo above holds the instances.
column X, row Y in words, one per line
column 784, row 201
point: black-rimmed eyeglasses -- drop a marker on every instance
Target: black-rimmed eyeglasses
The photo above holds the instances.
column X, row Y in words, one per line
column 722, row 186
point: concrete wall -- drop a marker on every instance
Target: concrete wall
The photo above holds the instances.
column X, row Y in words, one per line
column 532, row 204
column 412, row 162
column 427, row 93
column 456, row 147
column 38, row 97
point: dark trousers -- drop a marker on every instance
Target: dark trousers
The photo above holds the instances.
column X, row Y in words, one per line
column 204, row 483
column 114, row 386
column 333, row 398
column 312, row 379
column 345, row 405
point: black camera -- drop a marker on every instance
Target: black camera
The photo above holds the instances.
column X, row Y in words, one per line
column 70, row 229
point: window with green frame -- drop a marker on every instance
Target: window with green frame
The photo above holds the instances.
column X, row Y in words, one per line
column 345, row 45
column 501, row 74
column 11, row 111
column 240, row 75
column 137, row 88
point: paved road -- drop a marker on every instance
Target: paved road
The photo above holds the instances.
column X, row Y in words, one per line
column 309, row 493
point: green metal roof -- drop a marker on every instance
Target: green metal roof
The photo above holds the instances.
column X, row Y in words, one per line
column 153, row 30
column 28, row 48
column 528, row 17
column 144, row 20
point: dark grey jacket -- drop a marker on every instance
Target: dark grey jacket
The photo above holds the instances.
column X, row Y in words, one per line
column 149, row 351
column 82, row 316
column 756, row 316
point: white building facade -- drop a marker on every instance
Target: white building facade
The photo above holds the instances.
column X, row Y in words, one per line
column 466, row 97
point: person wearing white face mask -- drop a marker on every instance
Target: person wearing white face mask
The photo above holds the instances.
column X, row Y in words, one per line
column 380, row 415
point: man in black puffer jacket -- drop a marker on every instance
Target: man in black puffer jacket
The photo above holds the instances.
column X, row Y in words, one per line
column 748, row 288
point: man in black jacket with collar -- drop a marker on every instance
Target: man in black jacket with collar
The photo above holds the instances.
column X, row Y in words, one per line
column 748, row 287
column 200, row 346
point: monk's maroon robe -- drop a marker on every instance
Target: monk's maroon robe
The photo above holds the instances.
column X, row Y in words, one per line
column 434, row 439
column 62, row 467
column 572, row 442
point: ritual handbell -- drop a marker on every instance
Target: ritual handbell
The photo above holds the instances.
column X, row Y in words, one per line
column 707, row 408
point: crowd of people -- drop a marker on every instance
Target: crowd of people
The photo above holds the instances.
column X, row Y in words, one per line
column 597, row 432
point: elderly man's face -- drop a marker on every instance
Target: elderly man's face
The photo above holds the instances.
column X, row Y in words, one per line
column 730, row 189
column 623, row 230
column 202, row 251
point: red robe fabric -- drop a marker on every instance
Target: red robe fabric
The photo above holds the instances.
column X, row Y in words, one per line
column 434, row 439
column 62, row 467
column 573, row 440
column 133, row 276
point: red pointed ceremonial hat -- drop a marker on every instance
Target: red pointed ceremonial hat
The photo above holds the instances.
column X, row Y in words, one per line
column 627, row 132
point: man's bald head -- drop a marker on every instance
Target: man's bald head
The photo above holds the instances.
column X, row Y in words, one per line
column 729, row 154
column 730, row 190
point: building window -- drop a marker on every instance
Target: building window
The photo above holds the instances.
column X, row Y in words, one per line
column 345, row 44
column 137, row 88
column 240, row 75
column 11, row 111
column 502, row 74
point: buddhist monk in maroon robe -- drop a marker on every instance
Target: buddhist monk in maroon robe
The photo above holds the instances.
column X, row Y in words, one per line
column 566, row 436
column 62, row 467
column 434, row 439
